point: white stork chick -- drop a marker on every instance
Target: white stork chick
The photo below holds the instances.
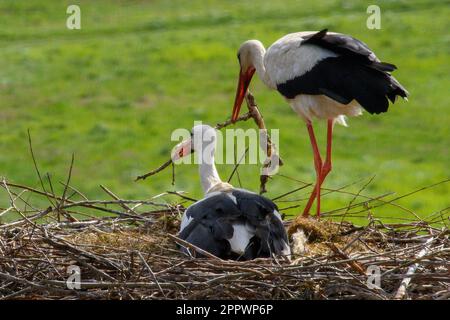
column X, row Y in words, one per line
column 228, row 222
column 322, row 75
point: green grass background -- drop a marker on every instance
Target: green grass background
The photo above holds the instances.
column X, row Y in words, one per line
column 112, row 92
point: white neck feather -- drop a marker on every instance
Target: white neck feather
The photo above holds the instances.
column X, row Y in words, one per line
column 208, row 175
column 204, row 151
column 257, row 59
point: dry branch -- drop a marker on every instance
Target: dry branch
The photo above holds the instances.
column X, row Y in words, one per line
column 401, row 292
column 219, row 126
column 270, row 148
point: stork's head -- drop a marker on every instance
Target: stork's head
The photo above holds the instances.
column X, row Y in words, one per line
column 203, row 139
column 247, row 54
column 203, row 136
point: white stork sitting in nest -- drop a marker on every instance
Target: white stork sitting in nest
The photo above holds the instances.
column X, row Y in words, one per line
column 228, row 222
column 321, row 75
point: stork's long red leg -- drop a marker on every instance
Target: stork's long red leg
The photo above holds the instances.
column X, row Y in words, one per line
column 317, row 165
column 324, row 169
column 327, row 164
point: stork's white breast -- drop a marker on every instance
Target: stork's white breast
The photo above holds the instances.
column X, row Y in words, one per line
column 241, row 237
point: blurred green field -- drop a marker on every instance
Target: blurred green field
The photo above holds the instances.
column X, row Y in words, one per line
column 112, row 92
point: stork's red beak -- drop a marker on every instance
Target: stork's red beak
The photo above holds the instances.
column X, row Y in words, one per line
column 181, row 150
column 244, row 82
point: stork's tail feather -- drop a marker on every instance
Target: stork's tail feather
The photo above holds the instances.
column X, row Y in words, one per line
column 381, row 87
column 373, row 86
column 396, row 89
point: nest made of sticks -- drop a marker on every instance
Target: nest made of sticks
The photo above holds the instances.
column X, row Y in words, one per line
column 132, row 253
column 77, row 248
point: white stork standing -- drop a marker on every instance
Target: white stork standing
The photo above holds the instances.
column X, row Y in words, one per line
column 228, row 222
column 322, row 75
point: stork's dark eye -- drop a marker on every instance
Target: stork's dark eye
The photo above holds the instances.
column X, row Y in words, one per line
column 239, row 57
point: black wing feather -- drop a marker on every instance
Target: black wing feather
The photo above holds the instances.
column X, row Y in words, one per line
column 348, row 46
column 270, row 233
column 213, row 219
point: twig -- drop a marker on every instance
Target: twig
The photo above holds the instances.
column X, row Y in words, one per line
column 182, row 196
column 121, row 202
column 151, row 272
column 259, row 120
column 63, row 197
column 219, row 126
column 30, row 144
column 190, row 245
column 353, row 264
column 270, row 149
column 237, row 165
column 401, row 291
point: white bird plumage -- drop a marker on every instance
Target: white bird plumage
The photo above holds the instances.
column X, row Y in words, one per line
column 286, row 59
column 232, row 204
column 322, row 75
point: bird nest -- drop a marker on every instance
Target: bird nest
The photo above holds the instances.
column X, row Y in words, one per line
column 132, row 253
